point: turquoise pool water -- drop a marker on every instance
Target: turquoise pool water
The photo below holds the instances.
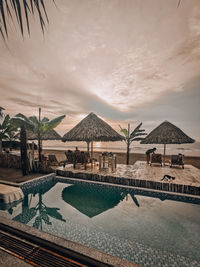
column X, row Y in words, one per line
column 150, row 229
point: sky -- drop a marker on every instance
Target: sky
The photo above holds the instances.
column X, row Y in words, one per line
column 128, row 61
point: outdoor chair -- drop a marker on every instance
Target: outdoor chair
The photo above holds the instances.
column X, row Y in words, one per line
column 52, row 160
column 44, row 161
column 82, row 158
column 177, row 160
column 69, row 156
column 156, row 158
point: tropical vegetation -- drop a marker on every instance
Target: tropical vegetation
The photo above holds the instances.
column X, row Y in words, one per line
column 43, row 126
column 1, row 112
column 135, row 135
column 4, row 129
column 39, row 127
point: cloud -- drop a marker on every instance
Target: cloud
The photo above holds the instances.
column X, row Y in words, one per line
column 123, row 60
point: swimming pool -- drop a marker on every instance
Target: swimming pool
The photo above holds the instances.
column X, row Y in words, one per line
column 148, row 228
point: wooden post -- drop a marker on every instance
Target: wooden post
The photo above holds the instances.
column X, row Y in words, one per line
column 23, row 145
column 88, row 146
column 39, row 140
column 128, row 146
column 91, row 154
column 164, row 154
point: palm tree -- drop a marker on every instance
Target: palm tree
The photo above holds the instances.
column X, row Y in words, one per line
column 22, row 122
column 42, row 126
column 4, row 129
column 12, row 135
column 20, row 11
column 1, row 112
column 38, row 127
column 130, row 137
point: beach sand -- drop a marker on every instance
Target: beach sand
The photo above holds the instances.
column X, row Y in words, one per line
column 121, row 157
column 15, row 175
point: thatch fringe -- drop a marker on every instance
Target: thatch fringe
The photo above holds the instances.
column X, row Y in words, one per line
column 167, row 133
column 50, row 135
column 92, row 128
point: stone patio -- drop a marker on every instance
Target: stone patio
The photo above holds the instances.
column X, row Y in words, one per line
column 140, row 174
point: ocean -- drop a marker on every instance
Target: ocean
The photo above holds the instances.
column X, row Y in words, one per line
column 136, row 147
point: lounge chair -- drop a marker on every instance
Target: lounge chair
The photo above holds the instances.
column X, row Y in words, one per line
column 156, row 158
column 70, row 157
column 177, row 160
column 52, row 160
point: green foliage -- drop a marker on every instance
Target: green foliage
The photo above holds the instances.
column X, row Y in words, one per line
column 4, row 127
column 44, row 125
column 1, row 112
column 19, row 11
column 20, row 120
column 8, row 131
column 135, row 135
column 13, row 135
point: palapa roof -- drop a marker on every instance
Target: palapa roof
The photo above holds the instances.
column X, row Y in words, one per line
column 167, row 133
column 50, row 135
column 92, row 128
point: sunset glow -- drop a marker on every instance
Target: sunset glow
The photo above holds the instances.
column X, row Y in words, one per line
column 120, row 59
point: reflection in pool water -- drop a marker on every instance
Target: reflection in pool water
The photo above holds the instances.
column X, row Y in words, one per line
column 90, row 200
column 148, row 228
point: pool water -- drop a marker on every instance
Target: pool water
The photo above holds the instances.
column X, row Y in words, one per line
column 150, row 229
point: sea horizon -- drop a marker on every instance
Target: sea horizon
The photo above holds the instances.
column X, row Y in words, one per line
column 186, row 149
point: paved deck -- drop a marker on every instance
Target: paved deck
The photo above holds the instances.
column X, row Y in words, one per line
column 140, row 174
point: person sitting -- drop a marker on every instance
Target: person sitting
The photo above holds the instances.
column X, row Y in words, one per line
column 77, row 150
column 148, row 153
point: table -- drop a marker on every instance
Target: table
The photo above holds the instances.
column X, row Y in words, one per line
column 107, row 161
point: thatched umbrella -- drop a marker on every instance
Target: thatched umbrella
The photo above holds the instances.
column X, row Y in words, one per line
column 167, row 133
column 50, row 135
column 90, row 129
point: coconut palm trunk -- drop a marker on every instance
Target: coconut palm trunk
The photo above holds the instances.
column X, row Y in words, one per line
column 39, row 140
column 128, row 146
column 23, row 144
column 0, row 146
column 128, row 153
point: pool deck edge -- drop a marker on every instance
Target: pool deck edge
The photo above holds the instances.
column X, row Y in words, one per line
column 66, row 244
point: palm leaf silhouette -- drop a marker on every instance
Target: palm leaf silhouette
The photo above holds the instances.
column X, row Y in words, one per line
column 20, row 10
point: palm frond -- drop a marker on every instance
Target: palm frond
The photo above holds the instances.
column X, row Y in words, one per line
column 22, row 9
column 137, row 139
column 5, row 122
column 124, row 131
column 53, row 123
column 136, row 129
column 34, row 120
column 45, row 119
column 1, row 112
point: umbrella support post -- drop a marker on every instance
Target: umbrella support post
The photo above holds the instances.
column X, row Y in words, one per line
column 164, row 154
column 92, row 154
